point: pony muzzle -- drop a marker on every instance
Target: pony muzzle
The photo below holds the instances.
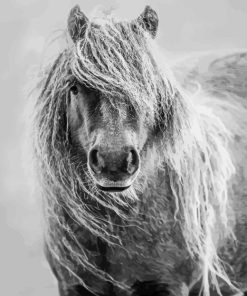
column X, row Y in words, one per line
column 114, row 171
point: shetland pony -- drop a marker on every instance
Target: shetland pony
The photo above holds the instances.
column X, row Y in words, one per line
column 143, row 177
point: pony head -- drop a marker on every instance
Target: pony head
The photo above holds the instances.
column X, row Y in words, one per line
column 115, row 95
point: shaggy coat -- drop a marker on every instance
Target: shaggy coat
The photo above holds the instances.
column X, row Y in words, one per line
column 183, row 218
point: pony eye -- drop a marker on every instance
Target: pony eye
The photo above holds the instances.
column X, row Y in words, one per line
column 74, row 89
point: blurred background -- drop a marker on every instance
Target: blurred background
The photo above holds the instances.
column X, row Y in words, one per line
column 26, row 26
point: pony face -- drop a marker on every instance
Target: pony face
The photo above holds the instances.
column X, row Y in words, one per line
column 113, row 103
column 111, row 134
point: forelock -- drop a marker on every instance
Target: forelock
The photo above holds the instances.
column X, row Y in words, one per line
column 115, row 58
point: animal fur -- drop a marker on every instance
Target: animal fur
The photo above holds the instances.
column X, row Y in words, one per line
column 185, row 216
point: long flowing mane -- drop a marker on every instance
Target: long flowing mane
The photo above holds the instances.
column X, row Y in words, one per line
column 121, row 61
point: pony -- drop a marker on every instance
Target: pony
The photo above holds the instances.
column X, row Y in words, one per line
column 141, row 166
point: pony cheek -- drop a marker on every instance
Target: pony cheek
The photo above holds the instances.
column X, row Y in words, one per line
column 141, row 138
column 75, row 119
column 83, row 139
column 79, row 130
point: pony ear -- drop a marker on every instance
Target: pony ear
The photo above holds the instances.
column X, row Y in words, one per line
column 149, row 20
column 77, row 23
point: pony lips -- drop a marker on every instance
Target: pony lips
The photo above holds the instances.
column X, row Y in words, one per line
column 113, row 187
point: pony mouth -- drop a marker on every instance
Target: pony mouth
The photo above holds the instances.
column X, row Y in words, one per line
column 113, row 188
column 107, row 185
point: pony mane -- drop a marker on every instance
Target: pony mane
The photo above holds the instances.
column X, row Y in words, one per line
column 122, row 62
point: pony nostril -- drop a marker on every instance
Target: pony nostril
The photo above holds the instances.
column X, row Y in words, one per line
column 93, row 157
column 132, row 162
column 96, row 162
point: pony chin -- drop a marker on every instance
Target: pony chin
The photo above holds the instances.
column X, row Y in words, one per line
column 113, row 186
column 129, row 195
